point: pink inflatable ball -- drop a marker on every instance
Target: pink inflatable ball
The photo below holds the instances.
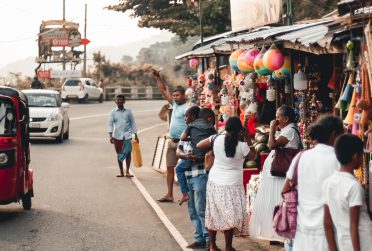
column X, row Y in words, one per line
column 194, row 63
column 251, row 55
column 273, row 58
column 242, row 65
column 259, row 65
column 234, row 59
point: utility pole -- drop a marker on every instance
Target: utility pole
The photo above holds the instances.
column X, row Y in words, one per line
column 201, row 29
column 85, row 46
column 63, row 49
column 289, row 12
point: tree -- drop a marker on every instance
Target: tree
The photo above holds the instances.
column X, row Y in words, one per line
column 127, row 59
column 312, row 9
column 179, row 16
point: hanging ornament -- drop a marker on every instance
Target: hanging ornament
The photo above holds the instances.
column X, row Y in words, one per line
column 252, row 108
column 286, row 86
column 258, row 64
column 194, row 63
column 300, row 80
column 350, row 60
column 250, row 56
column 270, row 94
column 234, row 59
column 242, row 65
column 273, row 59
column 285, row 70
column 274, row 76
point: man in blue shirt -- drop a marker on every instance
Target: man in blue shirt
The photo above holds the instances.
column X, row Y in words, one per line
column 121, row 127
column 177, row 125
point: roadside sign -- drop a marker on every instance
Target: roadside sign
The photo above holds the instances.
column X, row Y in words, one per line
column 43, row 74
column 85, row 41
column 65, row 74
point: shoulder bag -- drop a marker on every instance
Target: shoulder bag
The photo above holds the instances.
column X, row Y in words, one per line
column 285, row 215
column 209, row 156
column 283, row 158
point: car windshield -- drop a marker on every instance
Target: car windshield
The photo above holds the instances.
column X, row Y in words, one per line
column 41, row 100
column 8, row 122
column 72, row 82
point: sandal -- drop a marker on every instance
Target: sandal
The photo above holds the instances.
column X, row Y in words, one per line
column 128, row 175
column 165, row 199
column 120, row 175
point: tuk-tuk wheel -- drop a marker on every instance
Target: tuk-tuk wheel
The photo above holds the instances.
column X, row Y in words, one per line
column 26, row 201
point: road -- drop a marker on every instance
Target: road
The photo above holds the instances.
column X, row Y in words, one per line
column 79, row 204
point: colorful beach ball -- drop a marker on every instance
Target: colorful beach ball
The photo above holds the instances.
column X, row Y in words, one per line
column 273, row 58
column 234, row 59
column 242, row 65
column 194, row 63
column 251, row 55
column 258, row 64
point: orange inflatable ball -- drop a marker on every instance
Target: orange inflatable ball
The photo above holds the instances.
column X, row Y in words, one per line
column 233, row 60
column 259, row 65
column 242, row 65
column 273, row 58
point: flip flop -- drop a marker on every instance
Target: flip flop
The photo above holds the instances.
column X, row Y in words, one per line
column 164, row 199
column 120, row 176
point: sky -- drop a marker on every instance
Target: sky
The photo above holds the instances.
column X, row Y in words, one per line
column 20, row 21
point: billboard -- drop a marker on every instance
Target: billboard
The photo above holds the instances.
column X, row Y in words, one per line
column 246, row 14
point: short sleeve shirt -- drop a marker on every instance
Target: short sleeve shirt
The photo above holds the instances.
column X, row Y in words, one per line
column 178, row 123
column 314, row 167
column 227, row 171
column 342, row 191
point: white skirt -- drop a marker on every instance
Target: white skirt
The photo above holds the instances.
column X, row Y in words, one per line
column 226, row 208
column 268, row 196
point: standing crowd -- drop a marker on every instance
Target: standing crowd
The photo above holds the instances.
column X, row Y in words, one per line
column 331, row 210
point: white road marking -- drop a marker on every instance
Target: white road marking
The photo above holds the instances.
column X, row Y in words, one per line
column 107, row 114
column 162, row 216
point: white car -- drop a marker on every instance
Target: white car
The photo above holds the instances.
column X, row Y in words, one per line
column 48, row 114
column 82, row 89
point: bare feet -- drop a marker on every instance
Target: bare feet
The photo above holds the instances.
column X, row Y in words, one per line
column 185, row 197
column 128, row 175
column 120, row 175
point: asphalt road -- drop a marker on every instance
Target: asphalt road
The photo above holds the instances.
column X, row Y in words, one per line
column 79, row 204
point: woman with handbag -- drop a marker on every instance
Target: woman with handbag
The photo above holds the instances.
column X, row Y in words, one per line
column 226, row 204
column 314, row 166
column 284, row 134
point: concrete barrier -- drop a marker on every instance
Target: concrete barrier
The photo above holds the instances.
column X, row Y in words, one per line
column 133, row 92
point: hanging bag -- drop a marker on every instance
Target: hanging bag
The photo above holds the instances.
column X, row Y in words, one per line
column 209, row 156
column 285, row 214
column 136, row 153
column 283, row 158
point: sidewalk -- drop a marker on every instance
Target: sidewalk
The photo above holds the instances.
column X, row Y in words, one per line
column 155, row 184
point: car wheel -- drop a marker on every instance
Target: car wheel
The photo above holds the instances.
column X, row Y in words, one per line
column 26, row 200
column 59, row 139
column 66, row 135
column 100, row 99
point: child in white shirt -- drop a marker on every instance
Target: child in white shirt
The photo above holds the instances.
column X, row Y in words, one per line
column 346, row 221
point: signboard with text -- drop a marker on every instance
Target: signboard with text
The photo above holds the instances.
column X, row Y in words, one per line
column 246, row 14
column 65, row 74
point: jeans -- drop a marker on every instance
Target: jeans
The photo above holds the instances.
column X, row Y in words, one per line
column 196, row 205
column 180, row 172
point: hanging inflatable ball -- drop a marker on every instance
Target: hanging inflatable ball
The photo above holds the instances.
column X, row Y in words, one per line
column 242, row 65
column 234, row 59
column 251, row 55
column 273, row 59
column 258, row 64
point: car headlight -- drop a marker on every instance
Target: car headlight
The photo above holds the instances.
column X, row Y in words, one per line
column 54, row 117
column 3, row 158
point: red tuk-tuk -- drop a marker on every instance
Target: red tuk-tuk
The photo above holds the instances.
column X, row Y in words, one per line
column 16, row 180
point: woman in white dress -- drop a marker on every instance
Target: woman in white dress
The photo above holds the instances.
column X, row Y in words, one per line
column 283, row 133
column 314, row 167
column 226, row 204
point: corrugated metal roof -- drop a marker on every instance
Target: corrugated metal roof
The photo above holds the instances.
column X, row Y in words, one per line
column 273, row 31
column 306, row 36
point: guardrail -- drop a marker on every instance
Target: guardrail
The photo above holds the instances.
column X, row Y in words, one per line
column 133, row 92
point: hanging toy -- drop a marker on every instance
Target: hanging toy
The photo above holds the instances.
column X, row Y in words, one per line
column 233, row 60
column 259, row 65
column 273, row 59
column 250, row 56
column 242, row 65
column 270, row 94
column 350, row 60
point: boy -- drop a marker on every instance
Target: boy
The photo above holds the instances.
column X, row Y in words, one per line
column 343, row 198
column 198, row 128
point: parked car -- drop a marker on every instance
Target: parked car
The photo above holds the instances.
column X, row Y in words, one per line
column 82, row 89
column 48, row 114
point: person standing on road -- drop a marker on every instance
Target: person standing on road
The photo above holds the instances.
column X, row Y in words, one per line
column 176, row 127
column 121, row 127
